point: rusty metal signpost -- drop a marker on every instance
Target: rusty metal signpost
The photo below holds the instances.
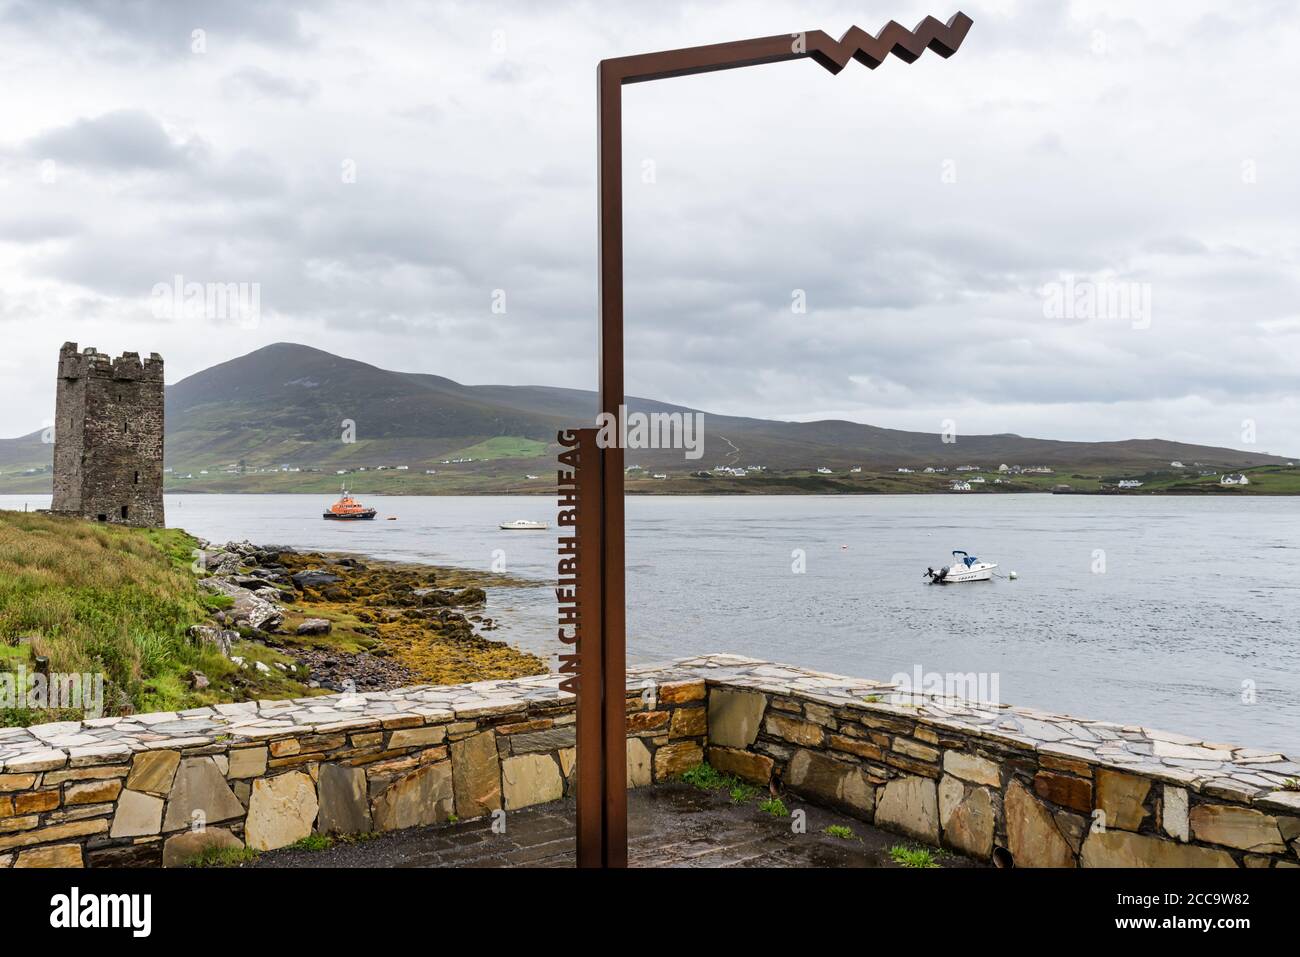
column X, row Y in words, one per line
column 591, row 563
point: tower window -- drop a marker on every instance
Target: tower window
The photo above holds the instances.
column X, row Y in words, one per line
column 137, row 478
column 124, row 511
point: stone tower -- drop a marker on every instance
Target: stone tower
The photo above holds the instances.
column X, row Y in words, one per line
column 108, row 437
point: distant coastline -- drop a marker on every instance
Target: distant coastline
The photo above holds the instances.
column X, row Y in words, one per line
column 1267, row 480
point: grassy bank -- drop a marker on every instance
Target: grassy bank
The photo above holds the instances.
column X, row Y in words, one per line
column 102, row 600
column 119, row 602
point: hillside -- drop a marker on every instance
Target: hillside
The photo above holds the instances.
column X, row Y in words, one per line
column 293, row 405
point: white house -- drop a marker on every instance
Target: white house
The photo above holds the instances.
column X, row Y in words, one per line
column 1129, row 483
column 960, row 486
column 1236, row 479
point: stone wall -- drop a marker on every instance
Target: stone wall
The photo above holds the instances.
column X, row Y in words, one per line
column 1012, row 786
column 156, row 788
column 108, row 438
column 1008, row 785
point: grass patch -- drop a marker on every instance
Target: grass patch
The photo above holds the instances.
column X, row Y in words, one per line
column 743, row 793
column 214, row 856
column 103, row 600
column 775, row 807
column 313, row 842
column 705, row 777
column 905, row 856
column 840, row 831
column 1291, row 784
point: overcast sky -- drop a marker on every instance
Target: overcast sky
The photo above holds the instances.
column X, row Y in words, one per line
column 381, row 170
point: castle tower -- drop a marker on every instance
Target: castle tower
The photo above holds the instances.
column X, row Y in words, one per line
column 108, row 437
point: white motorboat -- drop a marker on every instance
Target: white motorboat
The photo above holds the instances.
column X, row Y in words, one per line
column 964, row 568
column 523, row 525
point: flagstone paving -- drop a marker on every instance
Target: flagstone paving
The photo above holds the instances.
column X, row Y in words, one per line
column 668, row 826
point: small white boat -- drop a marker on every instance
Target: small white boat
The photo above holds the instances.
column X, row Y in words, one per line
column 523, row 525
column 964, row 568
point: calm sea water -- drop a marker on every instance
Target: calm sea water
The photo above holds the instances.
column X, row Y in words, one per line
column 1167, row 612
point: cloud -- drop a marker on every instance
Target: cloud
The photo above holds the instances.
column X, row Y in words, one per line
column 140, row 29
column 382, row 170
column 120, row 140
column 254, row 82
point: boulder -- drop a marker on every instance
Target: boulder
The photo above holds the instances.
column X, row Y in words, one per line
column 970, row 767
column 247, row 763
column 200, row 789
column 734, row 717
column 910, row 804
column 1064, row 789
column 313, row 578
column 1032, row 835
column 746, row 765
column 833, row 782
column 344, row 805
column 422, row 797
column 220, row 638
column 60, row 855
column 468, row 597
column 281, row 810
column 153, row 771
column 1239, row 827
column 315, row 626
column 476, row 775
column 1120, row 797
column 257, row 612
column 966, row 817
column 531, row 779
column 677, row 758
column 137, row 815
column 1125, row 849
column 638, row 763
column 794, row 730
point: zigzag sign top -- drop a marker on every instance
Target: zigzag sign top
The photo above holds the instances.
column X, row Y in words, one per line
column 856, row 44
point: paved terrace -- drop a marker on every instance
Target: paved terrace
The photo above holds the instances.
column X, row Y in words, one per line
column 1249, row 775
column 673, row 825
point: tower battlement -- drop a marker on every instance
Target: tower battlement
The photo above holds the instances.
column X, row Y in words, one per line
column 108, row 438
column 92, row 363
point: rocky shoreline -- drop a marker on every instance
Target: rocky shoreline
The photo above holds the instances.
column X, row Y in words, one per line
column 346, row 623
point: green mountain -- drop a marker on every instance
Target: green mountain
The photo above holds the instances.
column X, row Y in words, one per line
column 293, row 405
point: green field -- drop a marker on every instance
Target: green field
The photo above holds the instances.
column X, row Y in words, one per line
column 502, row 447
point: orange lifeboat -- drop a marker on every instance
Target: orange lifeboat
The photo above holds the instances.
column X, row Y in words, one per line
column 349, row 509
